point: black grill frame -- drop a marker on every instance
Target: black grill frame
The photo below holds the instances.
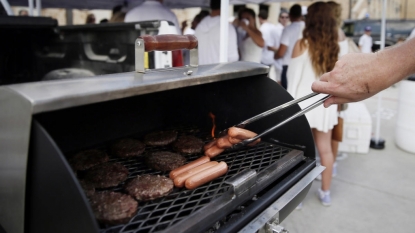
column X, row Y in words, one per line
column 162, row 213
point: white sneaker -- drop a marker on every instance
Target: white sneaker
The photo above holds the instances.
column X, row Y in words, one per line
column 324, row 197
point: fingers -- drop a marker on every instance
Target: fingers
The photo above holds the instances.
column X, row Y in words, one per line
column 336, row 100
column 323, row 87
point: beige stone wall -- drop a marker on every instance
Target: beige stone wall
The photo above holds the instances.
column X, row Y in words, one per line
column 395, row 8
column 408, row 9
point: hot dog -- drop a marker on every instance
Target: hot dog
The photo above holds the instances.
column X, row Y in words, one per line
column 223, row 142
column 213, row 151
column 174, row 173
column 242, row 134
column 207, row 175
column 234, row 140
column 239, row 133
column 209, row 145
column 180, row 179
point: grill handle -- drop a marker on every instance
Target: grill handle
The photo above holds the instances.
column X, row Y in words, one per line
column 167, row 42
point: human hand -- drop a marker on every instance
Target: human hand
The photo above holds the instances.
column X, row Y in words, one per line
column 355, row 77
column 244, row 24
column 236, row 22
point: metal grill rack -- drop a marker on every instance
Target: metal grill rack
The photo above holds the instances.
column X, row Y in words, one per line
column 164, row 212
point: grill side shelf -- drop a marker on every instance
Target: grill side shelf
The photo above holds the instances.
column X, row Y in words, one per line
column 244, row 186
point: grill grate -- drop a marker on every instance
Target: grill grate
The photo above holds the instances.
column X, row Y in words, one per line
column 164, row 212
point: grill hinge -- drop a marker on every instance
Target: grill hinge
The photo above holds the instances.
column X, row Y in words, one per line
column 243, row 181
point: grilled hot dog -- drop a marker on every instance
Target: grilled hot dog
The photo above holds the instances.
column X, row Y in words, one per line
column 207, row 175
column 209, row 145
column 182, row 177
column 242, row 134
column 213, row 151
column 174, row 173
column 223, row 142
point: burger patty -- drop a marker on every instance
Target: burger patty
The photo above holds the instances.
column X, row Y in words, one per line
column 88, row 188
column 160, row 138
column 106, row 175
column 149, row 187
column 87, row 159
column 188, row 145
column 127, row 147
column 113, row 208
column 164, row 160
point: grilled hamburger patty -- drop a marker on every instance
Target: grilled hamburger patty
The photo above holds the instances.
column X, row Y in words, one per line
column 164, row 160
column 160, row 138
column 149, row 187
column 87, row 159
column 106, row 175
column 113, row 208
column 188, row 145
column 127, row 147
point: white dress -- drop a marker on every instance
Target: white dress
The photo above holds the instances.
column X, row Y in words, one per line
column 300, row 77
column 250, row 51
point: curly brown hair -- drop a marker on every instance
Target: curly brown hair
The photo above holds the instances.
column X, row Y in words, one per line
column 337, row 11
column 321, row 36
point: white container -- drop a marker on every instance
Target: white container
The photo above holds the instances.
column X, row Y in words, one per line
column 405, row 120
column 357, row 129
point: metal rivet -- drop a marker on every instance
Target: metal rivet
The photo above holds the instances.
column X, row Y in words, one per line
column 189, row 72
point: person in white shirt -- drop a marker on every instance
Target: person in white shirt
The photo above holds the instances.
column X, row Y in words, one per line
column 365, row 41
column 251, row 41
column 196, row 20
column 289, row 37
column 208, row 36
column 152, row 10
column 272, row 36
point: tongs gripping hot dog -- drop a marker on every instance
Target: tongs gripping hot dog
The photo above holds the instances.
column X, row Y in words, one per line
column 271, row 111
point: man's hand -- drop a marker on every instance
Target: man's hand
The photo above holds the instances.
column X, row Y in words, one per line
column 355, row 77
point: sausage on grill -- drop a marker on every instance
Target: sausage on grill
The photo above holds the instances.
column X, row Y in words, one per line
column 174, row 173
column 213, row 151
column 180, row 179
column 207, row 175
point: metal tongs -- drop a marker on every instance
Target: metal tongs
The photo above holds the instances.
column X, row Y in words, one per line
column 271, row 111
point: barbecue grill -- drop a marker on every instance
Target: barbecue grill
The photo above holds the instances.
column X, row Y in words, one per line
column 43, row 123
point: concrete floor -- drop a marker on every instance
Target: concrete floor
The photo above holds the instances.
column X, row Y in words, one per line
column 372, row 192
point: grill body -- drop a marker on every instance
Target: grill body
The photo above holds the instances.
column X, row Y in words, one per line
column 110, row 107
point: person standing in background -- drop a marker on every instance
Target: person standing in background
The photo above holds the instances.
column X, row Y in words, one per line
column 251, row 41
column 313, row 55
column 196, row 20
column 23, row 13
column 152, row 10
column 118, row 14
column 90, row 19
column 283, row 19
column 272, row 35
column 365, row 41
column 208, row 36
column 289, row 36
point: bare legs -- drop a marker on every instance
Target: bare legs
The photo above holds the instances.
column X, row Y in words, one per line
column 323, row 142
column 335, row 148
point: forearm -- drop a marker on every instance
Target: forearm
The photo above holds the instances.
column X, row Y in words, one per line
column 271, row 48
column 256, row 37
column 397, row 62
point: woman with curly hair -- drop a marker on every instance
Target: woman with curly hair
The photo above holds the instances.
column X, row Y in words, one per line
column 313, row 55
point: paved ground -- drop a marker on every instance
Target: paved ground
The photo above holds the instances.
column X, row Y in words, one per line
column 372, row 192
